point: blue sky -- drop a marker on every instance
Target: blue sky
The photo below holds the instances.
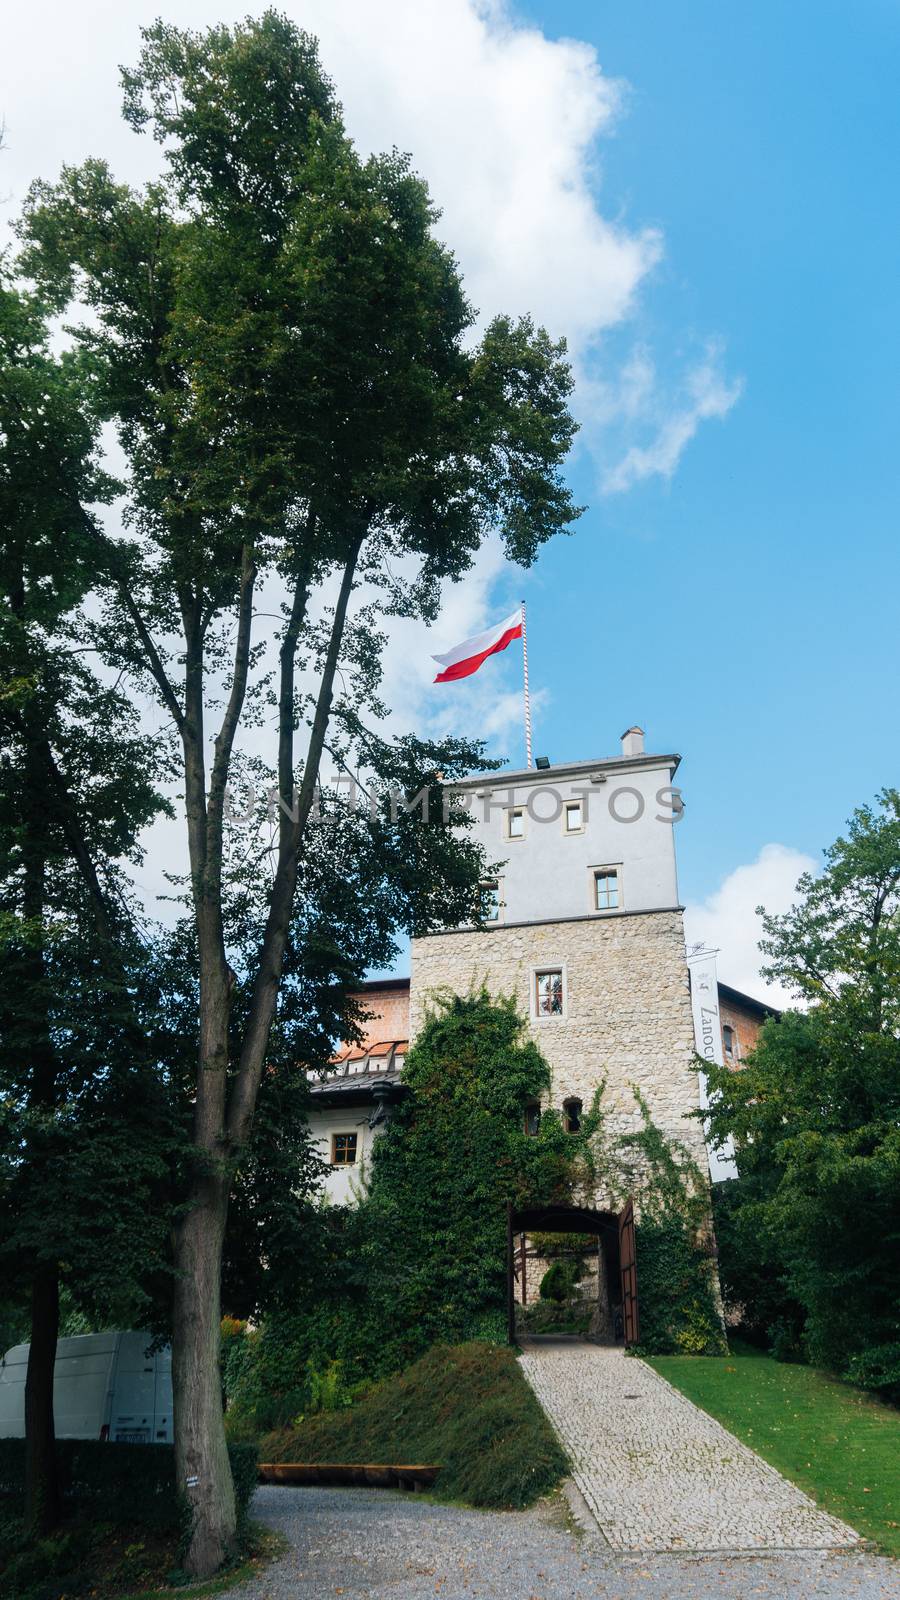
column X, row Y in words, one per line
column 702, row 198
column 745, row 611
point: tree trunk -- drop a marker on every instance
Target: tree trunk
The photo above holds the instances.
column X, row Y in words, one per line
column 202, row 1469
column 41, row 1473
column 41, row 1476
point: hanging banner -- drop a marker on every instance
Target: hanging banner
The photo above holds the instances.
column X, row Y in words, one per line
column 708, row 1044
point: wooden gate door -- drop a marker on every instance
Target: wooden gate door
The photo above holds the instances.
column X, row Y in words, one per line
column 628, row 1264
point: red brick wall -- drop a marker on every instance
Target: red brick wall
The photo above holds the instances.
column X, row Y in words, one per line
column 746, row 1023
column 388, row 1014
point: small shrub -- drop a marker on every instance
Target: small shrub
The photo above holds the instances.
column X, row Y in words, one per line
column 878, row 1368
column 558, row 1282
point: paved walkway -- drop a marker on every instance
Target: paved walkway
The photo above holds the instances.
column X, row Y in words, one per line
column 370, row 1544
column 656, row 1472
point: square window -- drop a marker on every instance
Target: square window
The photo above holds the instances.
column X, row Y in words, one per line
column 548, row 993
column 343, row 1149
column 606, row 889
column 573, row 816
column 515, row 823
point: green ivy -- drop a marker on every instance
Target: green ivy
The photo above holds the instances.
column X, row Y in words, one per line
column 421, row 1259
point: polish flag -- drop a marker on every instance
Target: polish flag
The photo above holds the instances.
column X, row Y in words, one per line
column 466, row 658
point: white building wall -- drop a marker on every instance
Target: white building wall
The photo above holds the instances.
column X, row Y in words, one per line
column 628, row 812
column 343, row 1184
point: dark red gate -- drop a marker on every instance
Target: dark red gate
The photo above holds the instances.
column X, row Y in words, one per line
column 628, row 1264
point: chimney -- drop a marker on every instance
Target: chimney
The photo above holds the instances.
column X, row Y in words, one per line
column 633, row 742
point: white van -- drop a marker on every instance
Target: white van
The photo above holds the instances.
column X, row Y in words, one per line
column 105, row 1387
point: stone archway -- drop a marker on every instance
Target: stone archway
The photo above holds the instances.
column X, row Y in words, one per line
column 616, row 1270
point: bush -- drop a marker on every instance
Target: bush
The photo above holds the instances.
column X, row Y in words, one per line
column 676, row 1299
column 127, row 1485
column 548, row 1316
column 558, row 1282
column 878, row 1368
column 466, row 1408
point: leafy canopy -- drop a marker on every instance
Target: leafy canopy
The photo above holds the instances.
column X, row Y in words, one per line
column 815, row 1113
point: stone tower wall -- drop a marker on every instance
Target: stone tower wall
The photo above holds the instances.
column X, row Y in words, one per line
column 627, row 1007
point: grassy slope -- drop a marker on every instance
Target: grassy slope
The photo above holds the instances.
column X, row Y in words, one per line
column 466, row 1407
column 837, row 1443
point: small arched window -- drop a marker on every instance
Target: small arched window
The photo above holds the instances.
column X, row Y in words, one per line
column 572, row 1116
column 730, row 1041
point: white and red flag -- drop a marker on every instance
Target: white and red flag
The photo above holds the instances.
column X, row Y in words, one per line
column 466, row 658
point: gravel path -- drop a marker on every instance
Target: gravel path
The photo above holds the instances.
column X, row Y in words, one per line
column 657, row 1472
column 370, row 1544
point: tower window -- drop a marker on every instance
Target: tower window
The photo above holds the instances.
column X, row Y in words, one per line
column 606, row 889
column 573, row 816
column 572, row 1116
column 490, row 899
column 532, row 1117
column 515, row 823
column 548, row 992
column 343, row 1149
column 729, row 1040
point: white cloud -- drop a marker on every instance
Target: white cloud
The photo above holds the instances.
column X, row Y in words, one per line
column 504, row 122
column 728, row 920
column 706, row 393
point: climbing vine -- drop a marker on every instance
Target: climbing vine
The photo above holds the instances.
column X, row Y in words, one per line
column 422, row 1258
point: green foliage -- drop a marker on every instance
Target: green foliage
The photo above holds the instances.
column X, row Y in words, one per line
column 124, row 1526
column 751, row 1266
column 678, row 1312
column 455, row 1155
column 129, row 1485
column 551, row 1316
column 550, row 1245
column 466, row 1408
column 877, row 1367
column 422, row 1258
column 285, row 349
column 815, row 1116
column 559, row 1281
column 677, row 1297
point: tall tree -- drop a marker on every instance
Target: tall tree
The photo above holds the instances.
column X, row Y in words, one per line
column 73, row 795
column 303, row 405
column 815, row 1112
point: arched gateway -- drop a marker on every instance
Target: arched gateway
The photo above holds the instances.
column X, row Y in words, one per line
column 614, row 1232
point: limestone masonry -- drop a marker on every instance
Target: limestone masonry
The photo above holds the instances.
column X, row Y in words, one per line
column 626, row 1014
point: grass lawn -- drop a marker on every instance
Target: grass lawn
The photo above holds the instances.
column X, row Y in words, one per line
column 837, row 1443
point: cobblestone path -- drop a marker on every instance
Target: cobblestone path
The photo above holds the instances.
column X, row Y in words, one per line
column 656, row 1472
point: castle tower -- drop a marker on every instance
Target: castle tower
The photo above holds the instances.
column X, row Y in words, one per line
column 586, row 932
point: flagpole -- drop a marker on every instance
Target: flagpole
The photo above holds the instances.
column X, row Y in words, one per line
column 528, row 760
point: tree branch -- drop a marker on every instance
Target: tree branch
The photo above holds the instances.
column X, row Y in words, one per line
column 268, row 977
column 226, row 736
column 154, row 659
